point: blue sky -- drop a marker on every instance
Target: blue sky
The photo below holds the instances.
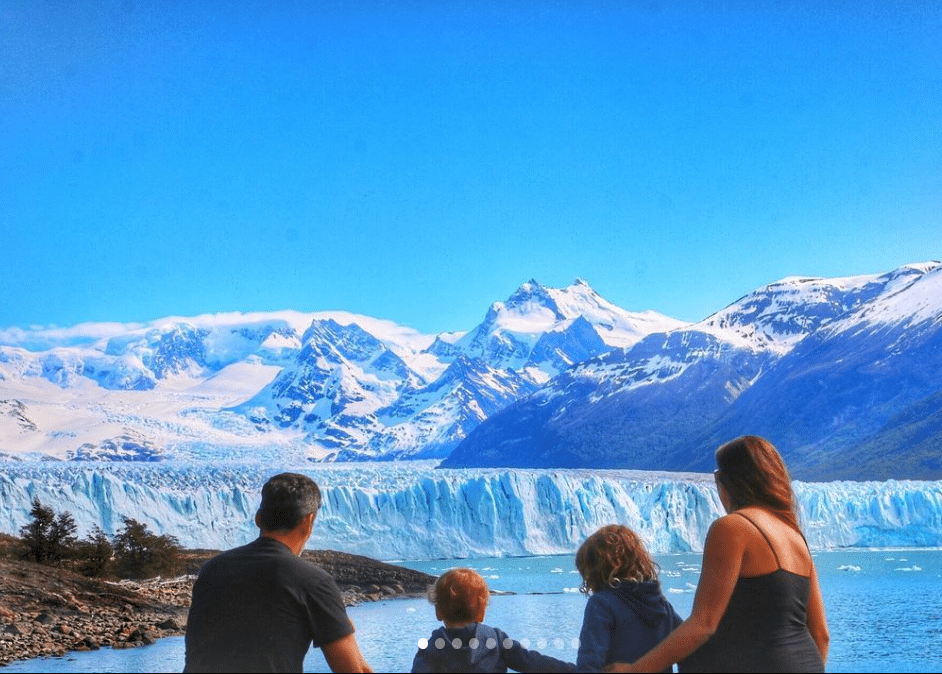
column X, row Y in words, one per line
column 418, row 160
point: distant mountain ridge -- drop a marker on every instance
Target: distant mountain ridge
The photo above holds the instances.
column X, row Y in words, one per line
column 327, row 386
column 845, row 375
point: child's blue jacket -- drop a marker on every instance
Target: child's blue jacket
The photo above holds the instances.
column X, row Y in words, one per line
column 623, row 623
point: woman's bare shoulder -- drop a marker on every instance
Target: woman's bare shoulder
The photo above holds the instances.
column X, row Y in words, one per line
column 729, row 525
column 734, row 520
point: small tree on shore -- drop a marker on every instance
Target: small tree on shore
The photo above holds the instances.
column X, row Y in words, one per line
column 140, row 553
column 48, row 538
column 95, row 555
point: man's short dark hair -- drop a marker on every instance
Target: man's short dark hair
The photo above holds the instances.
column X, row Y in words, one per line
column 286, row 500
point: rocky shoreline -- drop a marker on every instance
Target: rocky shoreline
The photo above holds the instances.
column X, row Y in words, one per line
column 46, row 611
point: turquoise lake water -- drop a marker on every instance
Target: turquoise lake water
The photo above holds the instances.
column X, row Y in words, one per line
column 884, row 610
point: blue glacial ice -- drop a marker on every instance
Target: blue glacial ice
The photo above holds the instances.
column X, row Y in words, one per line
column 410, row 510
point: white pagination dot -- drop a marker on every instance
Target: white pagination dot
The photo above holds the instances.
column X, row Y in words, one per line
column 474, row 643
column 541, row 644
column 439, row 643
column 491, row 642
column 508, row 643
column 525, row 642
column 575, row 644
column 456, row 643
column 559, row 644
column 423, row 644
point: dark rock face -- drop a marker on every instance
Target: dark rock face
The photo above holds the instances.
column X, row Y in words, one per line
column 126, row 447
column 366, row 579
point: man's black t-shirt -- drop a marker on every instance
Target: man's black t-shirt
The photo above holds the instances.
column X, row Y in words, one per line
column 258, row 608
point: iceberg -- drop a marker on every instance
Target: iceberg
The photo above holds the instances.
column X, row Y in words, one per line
column 412, row 510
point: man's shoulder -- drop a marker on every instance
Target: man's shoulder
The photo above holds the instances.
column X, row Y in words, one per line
column 270, row 554
column 231, row 555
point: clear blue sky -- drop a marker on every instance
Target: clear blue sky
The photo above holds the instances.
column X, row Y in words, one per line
column 418, row 160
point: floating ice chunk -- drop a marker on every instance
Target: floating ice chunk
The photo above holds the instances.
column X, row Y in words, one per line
column 848, row 567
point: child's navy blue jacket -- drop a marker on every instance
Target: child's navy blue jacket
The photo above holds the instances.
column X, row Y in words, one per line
column 477, row 647
column 623, row 623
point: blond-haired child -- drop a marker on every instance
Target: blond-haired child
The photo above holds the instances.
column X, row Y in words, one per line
column 626, row 615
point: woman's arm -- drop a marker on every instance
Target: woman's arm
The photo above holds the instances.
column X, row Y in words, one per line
column 722, row 560
column 817, row 623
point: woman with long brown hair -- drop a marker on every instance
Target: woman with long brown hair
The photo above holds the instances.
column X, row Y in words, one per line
column 758, row 606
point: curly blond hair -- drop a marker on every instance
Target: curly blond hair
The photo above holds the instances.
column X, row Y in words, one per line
column 611, row 555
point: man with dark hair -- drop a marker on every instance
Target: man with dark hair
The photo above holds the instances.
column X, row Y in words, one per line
column 259, row 607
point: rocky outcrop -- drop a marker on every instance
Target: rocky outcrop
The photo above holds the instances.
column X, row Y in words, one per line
column 49, row 611
column 366, row 579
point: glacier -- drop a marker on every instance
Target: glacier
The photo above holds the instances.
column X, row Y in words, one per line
column 413, row 510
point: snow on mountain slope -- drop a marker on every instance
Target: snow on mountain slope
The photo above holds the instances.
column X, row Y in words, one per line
column 354, row 398
column 860, row 396
column 430, row 421
column 512, row 329
column 338, row 384
column 617, row 327
column 860, row 351
column 814, row 364
column 781, row 314
column 911, row 297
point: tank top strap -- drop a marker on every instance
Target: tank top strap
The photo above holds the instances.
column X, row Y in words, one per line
column 750, row 520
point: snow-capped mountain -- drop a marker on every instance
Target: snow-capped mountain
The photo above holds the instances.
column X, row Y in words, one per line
column 844, row 375
column 540, row 331
column 325, row 386
column 355, row 399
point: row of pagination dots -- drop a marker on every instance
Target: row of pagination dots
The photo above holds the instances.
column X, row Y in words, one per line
column 491, row 642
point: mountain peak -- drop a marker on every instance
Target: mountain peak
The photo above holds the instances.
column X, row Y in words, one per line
column 532, row 296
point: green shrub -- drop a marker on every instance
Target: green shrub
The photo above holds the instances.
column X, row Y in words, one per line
column 48, row 538
column 95, row 555
column 139, row 553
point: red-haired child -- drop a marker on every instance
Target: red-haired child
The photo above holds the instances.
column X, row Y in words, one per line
column 465, row 643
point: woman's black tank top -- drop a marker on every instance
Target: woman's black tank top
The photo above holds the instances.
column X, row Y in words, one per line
column 764, row 628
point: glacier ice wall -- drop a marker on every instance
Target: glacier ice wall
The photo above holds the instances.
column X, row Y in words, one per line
column 413, row 511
